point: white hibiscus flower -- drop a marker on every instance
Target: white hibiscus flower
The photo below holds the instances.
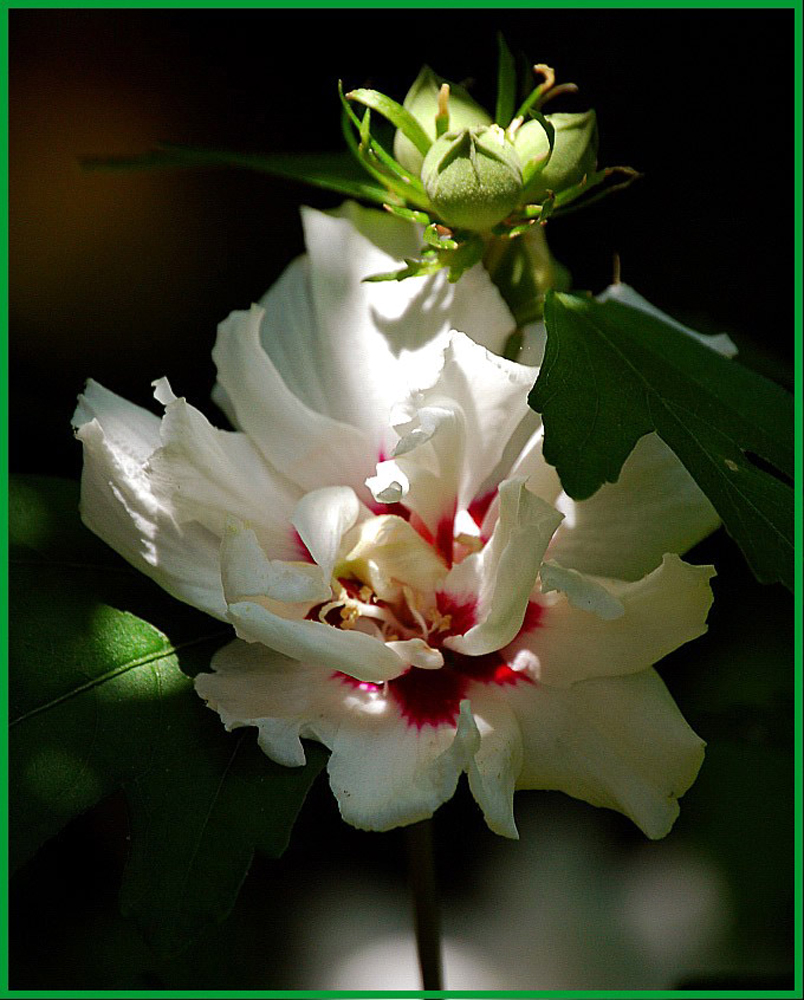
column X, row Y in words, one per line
column 408, row 583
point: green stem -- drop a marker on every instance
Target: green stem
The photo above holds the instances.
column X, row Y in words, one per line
column 426, row 911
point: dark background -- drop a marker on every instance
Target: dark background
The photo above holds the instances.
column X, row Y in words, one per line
column 123, row 277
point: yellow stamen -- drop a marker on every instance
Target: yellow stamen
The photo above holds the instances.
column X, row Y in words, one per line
column 441, row 622
column 349, row 616
column 472, row 542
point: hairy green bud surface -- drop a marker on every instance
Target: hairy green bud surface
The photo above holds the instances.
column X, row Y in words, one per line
column 473, row 177
column 574, row 152
column 422, row 102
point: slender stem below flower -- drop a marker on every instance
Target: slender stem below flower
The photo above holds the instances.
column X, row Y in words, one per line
column 422, row 879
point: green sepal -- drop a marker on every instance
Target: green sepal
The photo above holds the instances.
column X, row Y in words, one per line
column 532, row 100
column 534, row 158
column 506, row 83
column 400, row 117
column 376, row 160
column 411, row 214
column 435, row 239
column 412, row 269
column 466, row 256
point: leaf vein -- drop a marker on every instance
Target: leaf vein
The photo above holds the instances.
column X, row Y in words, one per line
column 113, row 673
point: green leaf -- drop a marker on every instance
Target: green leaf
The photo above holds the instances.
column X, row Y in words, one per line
column 612, row 373
column 506, row 84
column 100, row 698
column 400, row 117
column 231, row 799
column 331, row 171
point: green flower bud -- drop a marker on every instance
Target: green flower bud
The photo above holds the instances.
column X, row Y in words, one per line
column 473, row 177
column 422, row 102
column 574, row 152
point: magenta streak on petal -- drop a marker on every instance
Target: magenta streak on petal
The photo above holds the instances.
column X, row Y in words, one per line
column 398, row 509
column 433, row 697
column 429, row 697
column 488, row 669
column 445, row 534
column 301, row 548
column 355, row 683
column 534, row 614
column 479, row 507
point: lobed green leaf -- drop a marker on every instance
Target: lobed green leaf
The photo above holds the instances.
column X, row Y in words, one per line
column 611, row 374
column 101, row 697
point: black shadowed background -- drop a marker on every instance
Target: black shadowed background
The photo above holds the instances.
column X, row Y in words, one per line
column 124, row 276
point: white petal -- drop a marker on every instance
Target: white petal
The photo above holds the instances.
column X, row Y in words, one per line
column 246, row 574
column 426, row 468
column 130, row 432
column 618, row 742
column 529, row 464
column 583, row 592
column 453, row 432
column 350, row 652
column 491, row 394
column 208, row 475
column 389, row 554
column 501, row 576
column 626, row 295
column 488, row 734
column 624, row 529
column 310, row 449
column 659, row 613
column 255, row 686
column 386, row 773
column 322, row 517
column 118, row 503
column 417, row 653
column 473, row 305
column 368, row 335
column 383, row 771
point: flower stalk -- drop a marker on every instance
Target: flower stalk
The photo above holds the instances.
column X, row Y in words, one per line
column 426, row 909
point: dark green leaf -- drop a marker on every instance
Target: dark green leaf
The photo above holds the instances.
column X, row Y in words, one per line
column 611, row 373
column 189, row 858
column 101, row 698
column 331, row 171
column 506, row 84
